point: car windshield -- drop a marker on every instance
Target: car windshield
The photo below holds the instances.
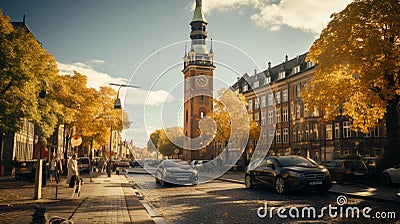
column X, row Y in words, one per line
column 295, row 161
column 352, row 165
column 175, row 164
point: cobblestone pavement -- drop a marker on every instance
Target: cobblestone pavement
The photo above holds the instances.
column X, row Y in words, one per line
column 228, row 202
column 105, row 200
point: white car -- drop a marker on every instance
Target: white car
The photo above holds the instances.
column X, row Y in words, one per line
column 391, row 175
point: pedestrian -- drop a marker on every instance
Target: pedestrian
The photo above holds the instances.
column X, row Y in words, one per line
column 14, row 164
column 100, row 164
column 52, row 168
column 59, row 169
column 72, row 170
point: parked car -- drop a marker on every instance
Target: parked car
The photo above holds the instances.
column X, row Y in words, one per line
column 120, row 166
column 343, row 170
column 391, row 175
column 286, row 173
column 25, row 170
column 176, row 172
column 84, row 164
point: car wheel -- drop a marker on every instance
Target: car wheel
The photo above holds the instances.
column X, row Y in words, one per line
column 248, row 182
column 386, row 179
column 280, row 185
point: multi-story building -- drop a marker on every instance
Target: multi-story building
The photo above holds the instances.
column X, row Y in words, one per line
column 288, row 127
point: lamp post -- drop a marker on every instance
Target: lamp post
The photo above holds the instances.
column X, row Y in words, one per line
column 117, row 105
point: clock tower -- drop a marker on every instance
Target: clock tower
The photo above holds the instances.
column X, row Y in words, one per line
column 198, row 70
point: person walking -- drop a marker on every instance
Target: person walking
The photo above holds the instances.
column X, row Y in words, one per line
column 59, row 169
column 14, row 164
column 52, row 168
column 72, row 169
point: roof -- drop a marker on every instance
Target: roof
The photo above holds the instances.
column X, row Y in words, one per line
column 198, row 15
column 273, row 72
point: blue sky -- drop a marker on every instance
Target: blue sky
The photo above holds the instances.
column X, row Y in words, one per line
column 109, row 41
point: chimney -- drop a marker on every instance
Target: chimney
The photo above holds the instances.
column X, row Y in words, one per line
column 286, row 58
column 269, row 65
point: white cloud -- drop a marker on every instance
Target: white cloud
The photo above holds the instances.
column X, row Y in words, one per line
column 307, row 15
column 97, row 61
column 95, row 78
column 148, row 97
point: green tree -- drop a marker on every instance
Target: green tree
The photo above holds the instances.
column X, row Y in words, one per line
column 358, row 57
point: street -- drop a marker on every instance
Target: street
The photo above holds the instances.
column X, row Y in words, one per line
column 225, row 202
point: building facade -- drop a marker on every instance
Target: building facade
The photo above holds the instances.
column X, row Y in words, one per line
column 288, row 127
column 198, row 71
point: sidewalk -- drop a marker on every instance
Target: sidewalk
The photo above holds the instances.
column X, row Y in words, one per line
column 382, row 193
column 104, row 200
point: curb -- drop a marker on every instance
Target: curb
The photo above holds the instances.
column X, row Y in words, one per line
column 330, row 192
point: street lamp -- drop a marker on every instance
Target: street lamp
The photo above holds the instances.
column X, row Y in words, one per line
column 117, row 105
column 117, row 102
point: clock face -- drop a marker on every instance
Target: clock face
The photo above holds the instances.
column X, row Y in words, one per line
column 202, row 80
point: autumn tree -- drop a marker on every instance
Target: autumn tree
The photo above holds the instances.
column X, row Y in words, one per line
column 166, row 141
column 230, row 116
column 26, row 69
column 358, row 57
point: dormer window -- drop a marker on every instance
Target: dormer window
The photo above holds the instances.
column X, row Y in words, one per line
column 310, row 64
column 268, row 80
column 256, row 84
column 282, row 75
column 245, row 88
column 296, row 69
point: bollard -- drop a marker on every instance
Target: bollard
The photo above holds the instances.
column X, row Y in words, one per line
column 57, row 191
column 40, row 216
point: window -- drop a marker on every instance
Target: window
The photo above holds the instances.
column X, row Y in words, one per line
column 263, row 101
column 270, row 134
column 296, row 134
column 315, row 112
column 285, row 114
column 250, row 105
column 187, row 116
column 278, row 97
column 346, row 129
column 315, row 131
column 256, row 104
column 263, row 135
column 201, row 114
column 270, row 117
column 285, row 95
column 376, row 132
column 328, row 129
column 278, row 136
column 298, row 88
column 268, row 80
column 337, row 130
column 263, row 119
column 245, row 88
column 256, row 84
column 306, row 110
column 278, row 115
column 368, row 135
column 310, row 64
column 298, row 114
column 270, row 99
column 285, row 135
column 257, row 117
column 281, row 75
column 307, row 133
column 296, row 69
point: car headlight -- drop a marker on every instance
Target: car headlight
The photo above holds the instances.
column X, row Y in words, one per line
column 326, row 171
column 294, row 174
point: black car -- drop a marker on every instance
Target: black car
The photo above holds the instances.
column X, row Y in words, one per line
column 25, row 169
column 286, row 173
column 343, row 170
column 176, row 172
